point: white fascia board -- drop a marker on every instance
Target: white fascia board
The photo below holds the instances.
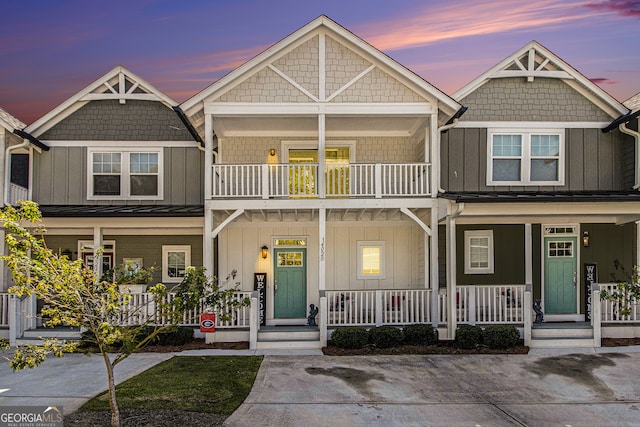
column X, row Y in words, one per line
column 139, row 145
column 565, row 209
column 532, row 125
column 73, row 103
column 116, row 224
column 312, row 109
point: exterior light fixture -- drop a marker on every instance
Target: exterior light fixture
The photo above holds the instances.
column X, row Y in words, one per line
column 272, row 152
column 585, row 239
column 264, row 252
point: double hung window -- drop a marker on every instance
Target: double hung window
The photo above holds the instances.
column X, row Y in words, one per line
column 525, row 158
column 120, row 174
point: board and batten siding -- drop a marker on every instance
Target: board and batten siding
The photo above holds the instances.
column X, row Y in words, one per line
column 240, row 245
column 594, row 161
column 149, row 248
column 60, row 178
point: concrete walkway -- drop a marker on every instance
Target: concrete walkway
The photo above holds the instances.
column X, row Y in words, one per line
column 564, row 388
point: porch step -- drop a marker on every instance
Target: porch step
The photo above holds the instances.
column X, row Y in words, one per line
column 562, row 335
column 288, row 337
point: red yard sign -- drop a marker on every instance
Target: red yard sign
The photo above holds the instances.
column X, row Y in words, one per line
column 207, row 322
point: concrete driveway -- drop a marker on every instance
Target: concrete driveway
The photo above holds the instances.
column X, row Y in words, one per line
column 564, row 390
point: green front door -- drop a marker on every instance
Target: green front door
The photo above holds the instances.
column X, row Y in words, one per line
column 560, row 269
column 290, row 299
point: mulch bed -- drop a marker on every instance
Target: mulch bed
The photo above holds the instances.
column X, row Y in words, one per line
column 620, row 342
column 196, row 344
column 440, row 348
column 144, row 417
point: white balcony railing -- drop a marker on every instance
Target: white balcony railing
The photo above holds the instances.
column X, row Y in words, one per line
column 17, row 192
column 300, row 180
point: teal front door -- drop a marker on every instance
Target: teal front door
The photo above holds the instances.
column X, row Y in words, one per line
column 560, row 275
column 290, row 290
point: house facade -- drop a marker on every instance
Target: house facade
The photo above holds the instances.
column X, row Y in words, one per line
column 323, row 174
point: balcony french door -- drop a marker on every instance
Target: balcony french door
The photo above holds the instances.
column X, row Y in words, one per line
column 303, row 172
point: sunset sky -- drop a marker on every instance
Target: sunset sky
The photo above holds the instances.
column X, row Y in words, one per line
column 50, row 50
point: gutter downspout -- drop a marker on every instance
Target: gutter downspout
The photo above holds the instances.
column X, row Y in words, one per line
column 636, row 135
column 7, row 169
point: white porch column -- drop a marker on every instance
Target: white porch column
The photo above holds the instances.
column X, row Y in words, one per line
column 434, row 156
column 433, row 263
column 320, row 180
column 322, row 247
column 207, row 243
column 97, row 251
column 452, row 262
column 528, row 255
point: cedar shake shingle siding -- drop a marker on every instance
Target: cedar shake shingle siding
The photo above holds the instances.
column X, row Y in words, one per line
column 108, row 120
column 515, row 99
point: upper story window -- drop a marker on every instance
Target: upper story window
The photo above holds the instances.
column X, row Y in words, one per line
column 125, row 174
column 525, row 158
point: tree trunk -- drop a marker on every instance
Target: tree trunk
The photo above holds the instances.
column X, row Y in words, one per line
column 113, row 403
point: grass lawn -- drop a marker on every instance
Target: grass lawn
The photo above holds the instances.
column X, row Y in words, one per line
column 213, row 384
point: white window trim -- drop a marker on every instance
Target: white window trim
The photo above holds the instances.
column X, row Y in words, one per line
column 125, row 189
column 165, row 261
column 468, row 235
column 369, row 244
column 525, row 158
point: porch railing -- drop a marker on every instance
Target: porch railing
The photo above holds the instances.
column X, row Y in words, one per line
column 142, row 309
column 485, row 304
column 611, row 310
column 4, row 309
column 300, row 180
column 17, row 192
column 378, row 307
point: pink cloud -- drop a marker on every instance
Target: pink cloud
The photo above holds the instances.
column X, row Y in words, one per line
column 620, row 7
column 434, row 24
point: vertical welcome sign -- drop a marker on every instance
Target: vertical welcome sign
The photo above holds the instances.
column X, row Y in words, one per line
column 260, row 285
column 590, row 279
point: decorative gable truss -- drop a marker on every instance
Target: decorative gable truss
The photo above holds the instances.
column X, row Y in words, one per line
column 534, row 61
column 119, row 83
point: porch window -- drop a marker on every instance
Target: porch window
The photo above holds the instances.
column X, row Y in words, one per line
column 525, row 158
column 175, row 260
column 124, row 174
column 371, row 260
column 478, row 252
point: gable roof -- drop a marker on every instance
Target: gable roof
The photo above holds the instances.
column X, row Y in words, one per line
column 536, row 61
column 633, row 103
column 9, row 122
column 193, row 105
column 119, row 83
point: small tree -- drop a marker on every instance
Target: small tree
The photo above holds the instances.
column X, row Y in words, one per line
column 627, row 293
column 74, row 296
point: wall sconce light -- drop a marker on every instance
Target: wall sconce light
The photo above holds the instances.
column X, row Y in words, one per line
column 264, row 252
column 272, row 152
column 585, row 239
column 67, row 252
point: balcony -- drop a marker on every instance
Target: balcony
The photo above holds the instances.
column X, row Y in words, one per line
column 300, row 180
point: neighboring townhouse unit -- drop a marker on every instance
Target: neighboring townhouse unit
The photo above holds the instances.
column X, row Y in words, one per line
column 123, row 173
column 320, row 177
column 542, row 186
column 323, row 174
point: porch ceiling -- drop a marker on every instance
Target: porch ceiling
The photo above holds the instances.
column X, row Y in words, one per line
column 343, row 126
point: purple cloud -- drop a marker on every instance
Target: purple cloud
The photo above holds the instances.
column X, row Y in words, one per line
column 603, row 81
column 620, row 7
